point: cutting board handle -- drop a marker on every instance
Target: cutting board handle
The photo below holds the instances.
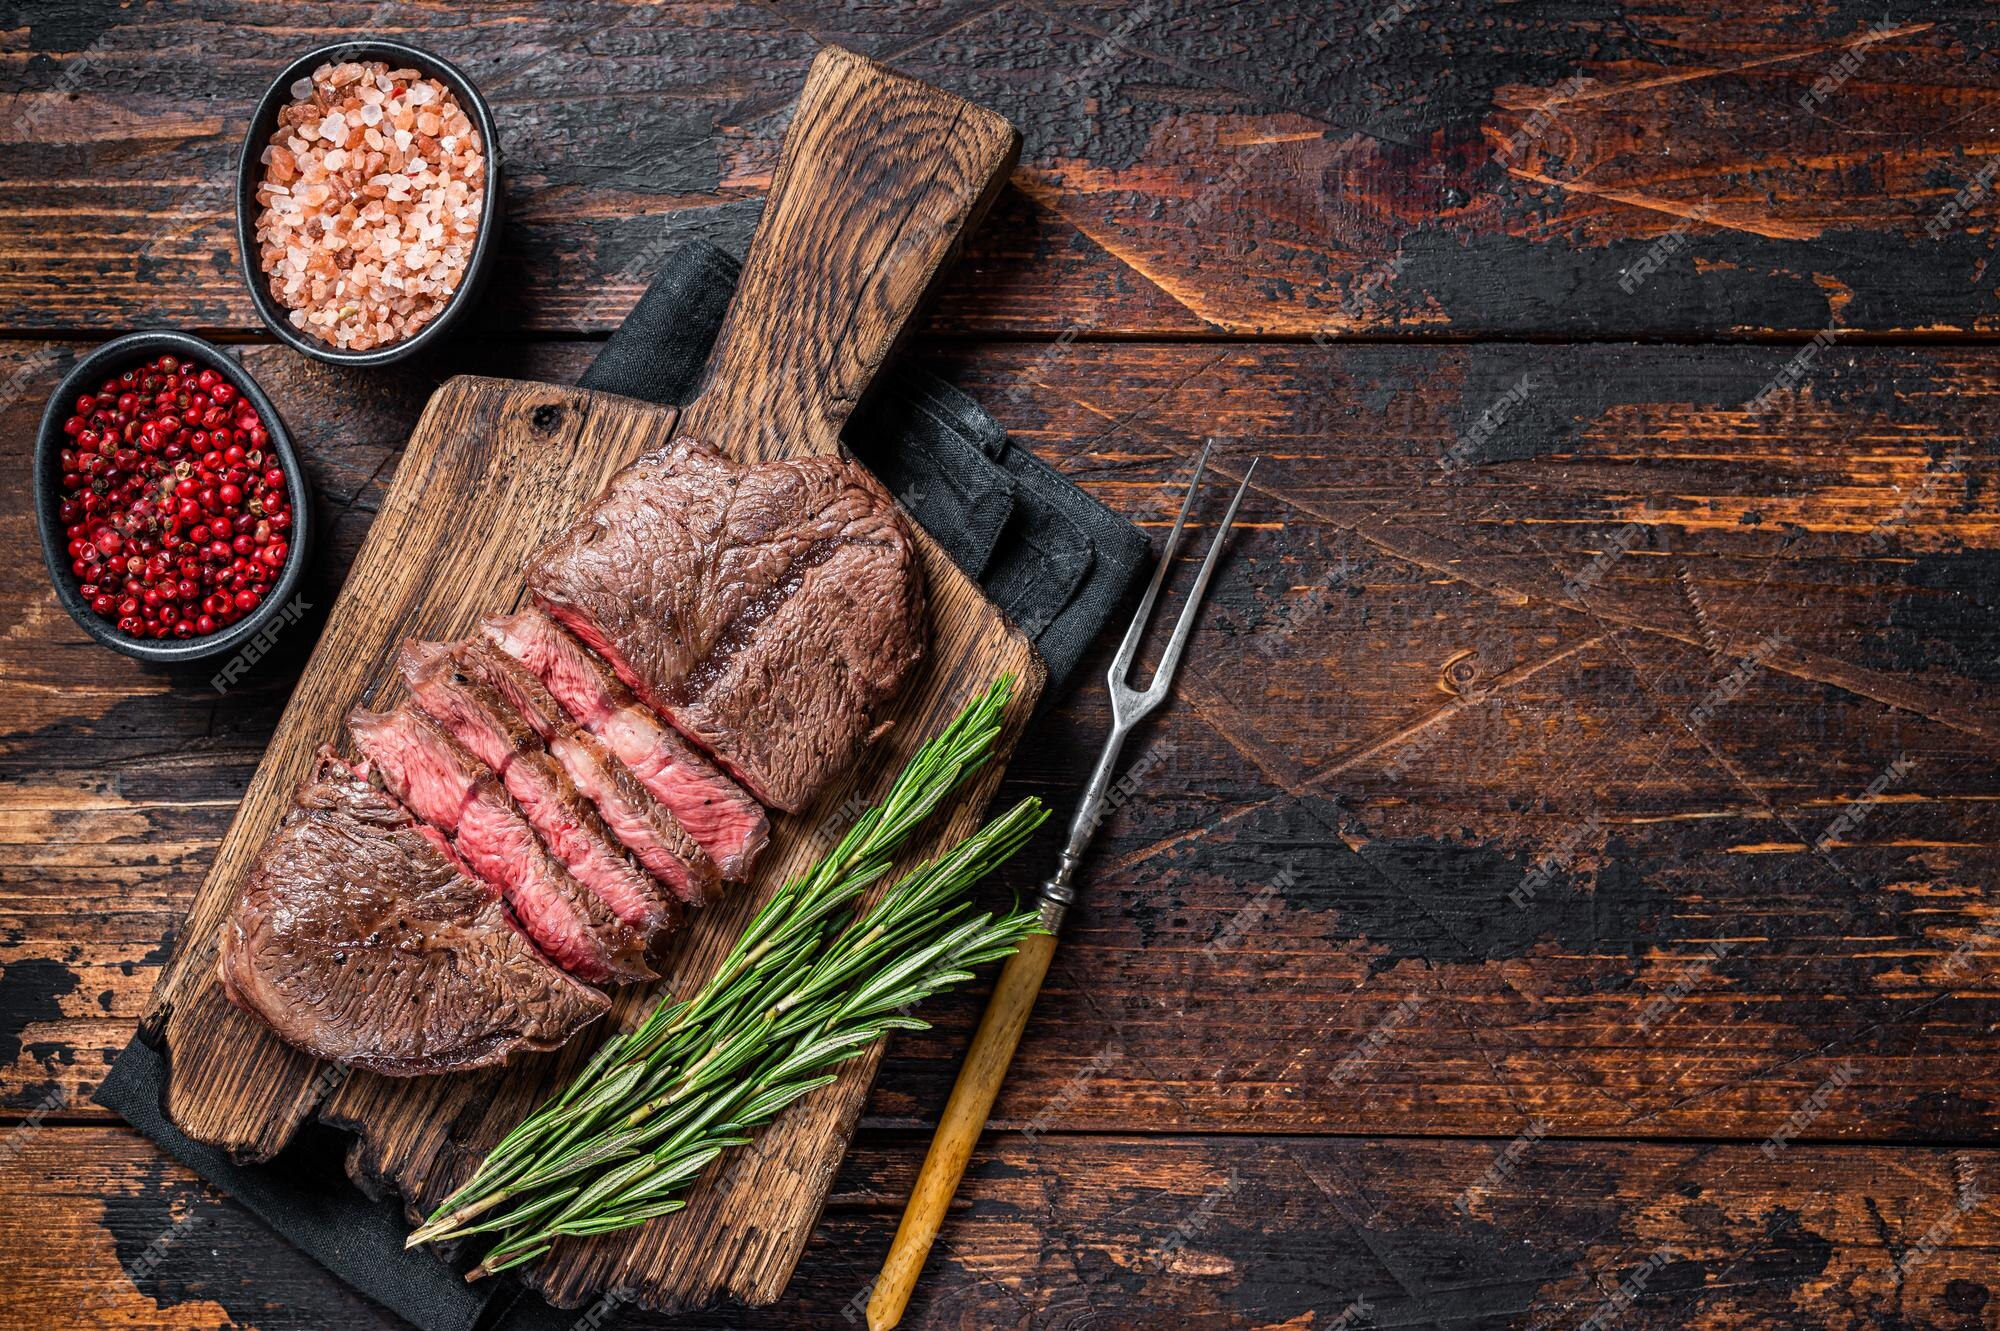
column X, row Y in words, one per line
column 878, row 178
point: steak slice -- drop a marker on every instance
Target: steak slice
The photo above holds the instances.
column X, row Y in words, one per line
column 640, row 822
column 359, row 938
column 481, row 720
column 447, row 787
column 768, row 610
column 731, row 826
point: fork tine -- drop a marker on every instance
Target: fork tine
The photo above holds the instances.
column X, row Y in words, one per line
column 1170, row 659
column 1121, row 664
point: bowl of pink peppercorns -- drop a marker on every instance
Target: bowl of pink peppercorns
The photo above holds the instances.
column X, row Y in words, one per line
column 173, row 513
column 367, row 201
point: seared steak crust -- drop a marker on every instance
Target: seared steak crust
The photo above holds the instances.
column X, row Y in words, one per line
column 359, row 939
column 768, row 611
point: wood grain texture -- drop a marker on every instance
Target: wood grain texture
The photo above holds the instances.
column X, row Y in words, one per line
column 1279, row 169
column 1313, row 715
column 1159, row 1233
column 1333, row 953
column 880, row 178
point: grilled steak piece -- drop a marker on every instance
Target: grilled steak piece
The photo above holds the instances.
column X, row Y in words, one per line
column 481, row 720
column 359, row 938
column 731, row 826
column 768, row 611
column 448, row 788
column 639, row 821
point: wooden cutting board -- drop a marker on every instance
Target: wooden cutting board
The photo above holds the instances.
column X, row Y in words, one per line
column 879, row 177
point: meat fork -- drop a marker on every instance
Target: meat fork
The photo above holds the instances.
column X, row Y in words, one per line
column 993, row 1047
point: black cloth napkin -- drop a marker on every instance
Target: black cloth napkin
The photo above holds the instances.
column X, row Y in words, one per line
column 1057, row 561
column 306, row 1196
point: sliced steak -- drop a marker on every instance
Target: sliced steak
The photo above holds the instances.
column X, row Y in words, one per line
column 768, row 611
column 448, row 788
column 645, row 826
column 481, row 720
column 639, row 820
column 358, row 938
column 730, row 825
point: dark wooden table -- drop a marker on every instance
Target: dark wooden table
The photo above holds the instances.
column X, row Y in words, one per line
column 1560, row 896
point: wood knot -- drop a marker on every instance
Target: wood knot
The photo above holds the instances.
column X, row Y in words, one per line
column 1459, row 673
column 547, row 417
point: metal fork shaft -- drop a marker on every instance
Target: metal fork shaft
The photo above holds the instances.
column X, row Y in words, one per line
column 1057, row 891
column 1130, row 705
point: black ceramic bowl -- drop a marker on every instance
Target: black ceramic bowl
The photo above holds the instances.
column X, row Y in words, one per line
column 106, row 362
column 250, row 174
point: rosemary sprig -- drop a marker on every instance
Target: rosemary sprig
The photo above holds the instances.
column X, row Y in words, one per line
column 806, row 987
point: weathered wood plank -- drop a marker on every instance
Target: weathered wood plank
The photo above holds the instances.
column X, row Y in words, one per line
column 1218, row 1234
column 1686, row 964
column 1297, row 169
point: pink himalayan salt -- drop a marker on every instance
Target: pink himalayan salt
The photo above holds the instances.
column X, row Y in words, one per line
column 372, row 189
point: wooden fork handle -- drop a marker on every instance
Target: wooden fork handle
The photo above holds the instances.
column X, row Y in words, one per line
column 958, row 1131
